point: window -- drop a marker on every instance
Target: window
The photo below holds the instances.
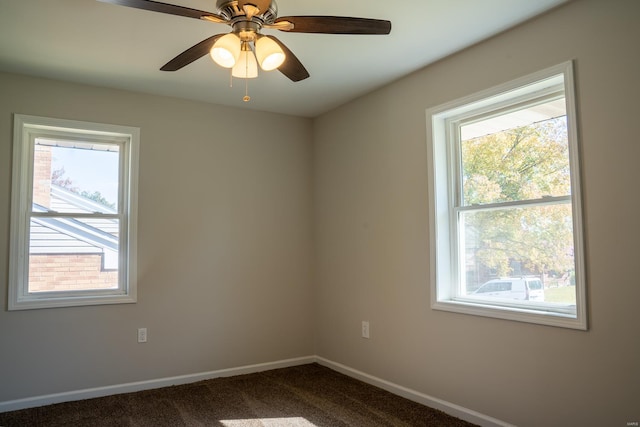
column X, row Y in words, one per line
column 506, row 225
column 73, row 214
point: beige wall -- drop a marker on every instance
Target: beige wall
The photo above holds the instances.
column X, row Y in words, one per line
column 371, row 217
column 224, row 246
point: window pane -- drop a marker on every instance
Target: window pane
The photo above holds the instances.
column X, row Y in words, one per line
column 75, row 177
column 71, row 254
column 534, row 242
column 525, row 156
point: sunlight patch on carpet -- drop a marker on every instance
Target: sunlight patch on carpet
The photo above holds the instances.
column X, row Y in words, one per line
column 269, row 422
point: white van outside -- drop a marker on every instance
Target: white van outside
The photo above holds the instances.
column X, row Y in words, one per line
column 519, row 288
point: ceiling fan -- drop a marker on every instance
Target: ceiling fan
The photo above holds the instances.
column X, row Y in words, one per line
column 244, row 48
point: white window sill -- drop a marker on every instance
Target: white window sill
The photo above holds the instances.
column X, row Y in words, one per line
column 520, row 314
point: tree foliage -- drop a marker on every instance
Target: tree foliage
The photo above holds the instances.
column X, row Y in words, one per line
column 525, row 163
column 58, row 178
column 96, row 196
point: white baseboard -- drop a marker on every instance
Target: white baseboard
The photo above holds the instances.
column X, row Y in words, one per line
column 90, row 393
column 430, row 401
column 444, row 406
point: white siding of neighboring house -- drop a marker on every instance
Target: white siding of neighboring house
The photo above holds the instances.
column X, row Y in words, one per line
column 63, row 237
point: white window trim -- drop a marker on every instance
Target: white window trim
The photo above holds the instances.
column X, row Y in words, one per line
column 440, row 160
column 26, row 129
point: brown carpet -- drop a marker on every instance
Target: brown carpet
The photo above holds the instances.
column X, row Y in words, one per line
column 302, row 396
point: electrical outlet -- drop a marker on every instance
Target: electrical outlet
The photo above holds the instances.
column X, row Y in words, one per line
column 142, row 334
column 365, row 329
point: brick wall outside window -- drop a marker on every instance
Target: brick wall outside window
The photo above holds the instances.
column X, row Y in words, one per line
column 69, row 272
column 42, row 175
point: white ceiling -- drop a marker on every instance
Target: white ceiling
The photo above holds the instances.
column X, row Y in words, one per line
column 102, row 44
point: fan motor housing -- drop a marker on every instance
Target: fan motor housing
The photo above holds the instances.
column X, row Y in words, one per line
column 230, row 9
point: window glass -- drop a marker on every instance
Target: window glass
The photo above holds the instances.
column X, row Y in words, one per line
column 69, row 253
column 88, row 170
column 519, row 241
column 527, row 161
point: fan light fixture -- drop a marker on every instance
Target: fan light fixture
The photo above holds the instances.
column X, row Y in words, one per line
column 226, row 50
column 270, row 55
column 232, row 51
column 247, row 66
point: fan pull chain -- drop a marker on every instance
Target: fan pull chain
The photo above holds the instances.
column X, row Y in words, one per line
column 246, row 98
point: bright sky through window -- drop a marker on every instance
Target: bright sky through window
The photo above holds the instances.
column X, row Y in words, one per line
column 92, row 170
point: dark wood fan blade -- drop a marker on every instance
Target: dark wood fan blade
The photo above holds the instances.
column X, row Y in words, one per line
column 292, row 67
column 191, row 54
column 171, row 9
column 336, row 25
